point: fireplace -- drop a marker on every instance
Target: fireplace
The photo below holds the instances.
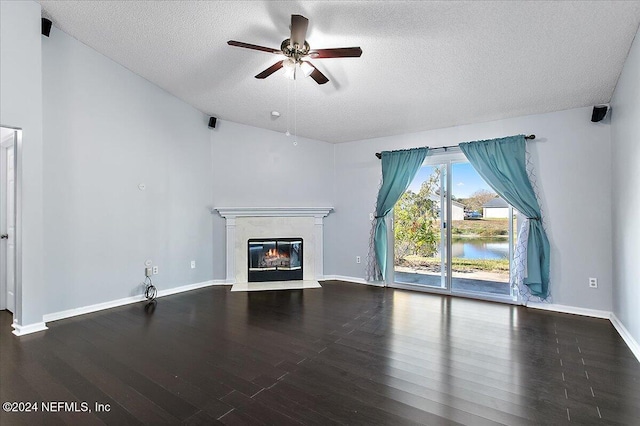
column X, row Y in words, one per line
column 245, row 223
column 274, row 259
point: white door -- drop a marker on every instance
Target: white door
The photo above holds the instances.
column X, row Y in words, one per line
column 8, row 225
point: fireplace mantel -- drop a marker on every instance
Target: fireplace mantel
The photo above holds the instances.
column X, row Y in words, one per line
column 279, row 217
column 233, row 212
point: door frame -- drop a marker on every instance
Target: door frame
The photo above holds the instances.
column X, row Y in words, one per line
column 17, row 155
column 5, row 144
column 446, row 158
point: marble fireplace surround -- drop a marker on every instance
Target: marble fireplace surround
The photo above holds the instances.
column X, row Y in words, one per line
column 243, row 223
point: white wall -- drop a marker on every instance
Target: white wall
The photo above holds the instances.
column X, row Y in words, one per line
column 260, row 168
column 21, row 106
column 625, row 126
column 572, row 158
column 106, row 131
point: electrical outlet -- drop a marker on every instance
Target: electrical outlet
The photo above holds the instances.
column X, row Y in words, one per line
column 593, row 282
column 155, row 270
column 357, row 259
column 147, row 272
column 193, row 264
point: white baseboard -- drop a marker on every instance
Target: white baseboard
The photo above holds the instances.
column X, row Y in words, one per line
column 55, row 316
column 626, row 336
column 21, row 330
column 570, row 310
column 189, row 287
column 352, row 280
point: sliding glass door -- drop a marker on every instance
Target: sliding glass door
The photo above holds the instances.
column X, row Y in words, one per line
column 452, row 233
column 420, row 247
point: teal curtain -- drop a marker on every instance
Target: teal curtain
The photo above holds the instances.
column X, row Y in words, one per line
column 398, row 170
column 502, row 164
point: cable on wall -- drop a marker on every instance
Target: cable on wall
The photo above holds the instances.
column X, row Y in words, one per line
column 150, row 290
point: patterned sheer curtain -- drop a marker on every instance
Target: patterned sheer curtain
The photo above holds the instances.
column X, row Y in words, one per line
column 398, row 170
column 502, row 163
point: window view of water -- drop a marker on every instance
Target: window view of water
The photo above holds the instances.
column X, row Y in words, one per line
column 480, row 248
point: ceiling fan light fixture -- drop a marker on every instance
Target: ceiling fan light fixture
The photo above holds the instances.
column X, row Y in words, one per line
column 306, row 68
column 290, row 73
column 289, row 69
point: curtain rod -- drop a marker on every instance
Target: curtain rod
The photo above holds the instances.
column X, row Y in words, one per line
column 530, row 137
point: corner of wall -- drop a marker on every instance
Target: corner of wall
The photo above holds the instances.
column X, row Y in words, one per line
column 625, row 128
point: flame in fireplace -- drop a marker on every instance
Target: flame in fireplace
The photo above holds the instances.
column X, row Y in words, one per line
column 273, row 253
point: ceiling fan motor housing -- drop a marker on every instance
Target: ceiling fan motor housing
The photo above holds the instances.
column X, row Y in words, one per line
column 294, row 51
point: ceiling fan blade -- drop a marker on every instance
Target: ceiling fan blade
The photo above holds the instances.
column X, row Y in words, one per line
column 317, row 75
column 299, row 26
column 340, row 52
column 253, row 46
column 273, row 68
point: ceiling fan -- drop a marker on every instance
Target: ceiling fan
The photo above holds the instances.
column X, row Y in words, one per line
column 297, row 51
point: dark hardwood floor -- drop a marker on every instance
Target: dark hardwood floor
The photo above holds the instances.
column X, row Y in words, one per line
column 343, row 354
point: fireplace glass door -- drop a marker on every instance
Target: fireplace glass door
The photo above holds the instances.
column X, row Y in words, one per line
column 275, row 259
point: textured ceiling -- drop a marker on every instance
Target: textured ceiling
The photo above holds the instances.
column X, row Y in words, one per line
column 424, row 65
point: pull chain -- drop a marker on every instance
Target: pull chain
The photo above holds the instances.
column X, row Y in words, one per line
column 295, row 113
column 288, row 133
